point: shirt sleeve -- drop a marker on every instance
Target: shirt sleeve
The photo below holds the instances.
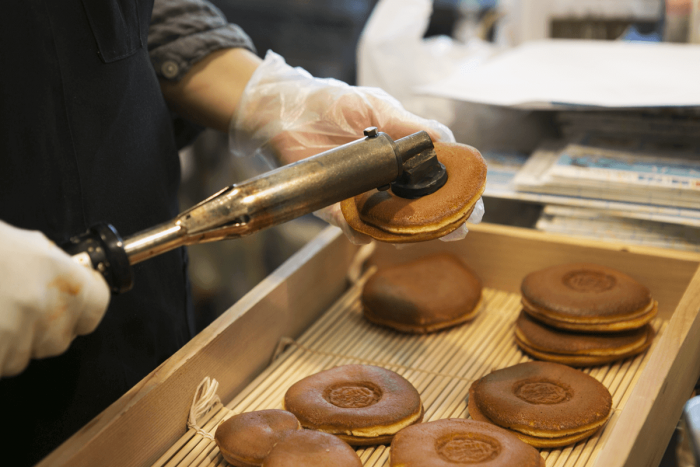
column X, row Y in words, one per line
column 182, row 32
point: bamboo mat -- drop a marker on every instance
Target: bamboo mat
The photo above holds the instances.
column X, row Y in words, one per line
column 441, row 366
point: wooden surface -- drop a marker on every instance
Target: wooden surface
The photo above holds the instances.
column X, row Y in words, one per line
column 657, row 400
column 138, row 428
column 146, row 421
column 441, row 366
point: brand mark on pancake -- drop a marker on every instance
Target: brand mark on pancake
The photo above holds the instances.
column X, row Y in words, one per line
column 589, row 281
column 354, row 396
column 542, row 392
column 468, row 448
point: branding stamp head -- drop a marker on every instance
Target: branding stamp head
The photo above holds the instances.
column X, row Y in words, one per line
column 542, row 392
column 589, row 281
column 354, row 396
column 468, row 448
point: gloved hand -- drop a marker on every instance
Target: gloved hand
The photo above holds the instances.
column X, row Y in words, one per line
column 287, row 113
column 46, row 299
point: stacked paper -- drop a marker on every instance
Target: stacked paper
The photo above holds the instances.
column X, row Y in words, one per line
column 628, row 169
column 508, row 171
column 590, row 223
column 629, row 119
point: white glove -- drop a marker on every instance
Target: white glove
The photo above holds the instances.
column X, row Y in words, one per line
column 287, row 113
column 46, row 299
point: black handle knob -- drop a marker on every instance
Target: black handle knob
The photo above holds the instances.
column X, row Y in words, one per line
column 104, row 247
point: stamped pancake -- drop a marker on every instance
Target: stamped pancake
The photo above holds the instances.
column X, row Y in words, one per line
column 313, row 449
column 542, row 399
column 576, row 348
column 587, row 297
column 540, row 443
column 390, row 218
column 431, row 293
column 578, row 360
column 458, row 442
column 363, row 404
column 245, row 439
column 634, row 321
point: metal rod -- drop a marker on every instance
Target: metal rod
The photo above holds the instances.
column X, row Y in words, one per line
column 151, row 242
column 276, row 197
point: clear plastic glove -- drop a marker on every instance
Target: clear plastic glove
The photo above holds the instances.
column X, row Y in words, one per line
column 46, row 299
column 287, row 113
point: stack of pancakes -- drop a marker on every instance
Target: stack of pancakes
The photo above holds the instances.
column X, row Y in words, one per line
column 583, row 315
column 364, row 405
column 545, row 404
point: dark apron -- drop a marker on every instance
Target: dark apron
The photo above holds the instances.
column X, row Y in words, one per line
column 85, row 137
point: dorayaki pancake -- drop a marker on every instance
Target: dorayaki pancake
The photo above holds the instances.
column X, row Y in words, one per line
column 422, row 296
column 540, row 443
column 576, row 348
column 587, row 297
column 389, row 218
column 307, row 448
column 542, row 399
column 362, row 404
column 245, row 439
column 458, row 442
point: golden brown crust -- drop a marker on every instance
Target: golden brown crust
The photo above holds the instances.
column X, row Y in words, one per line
column 619, row 324
column 312, row 448
column 584, row 292
column 455, row 442
column 386, row 439
column 245, row 439
column 547, row 339
column 540, row 443
column 579, row 360
column 397, row 296
column 542, row 399
column 389, row 218
column 360, row 401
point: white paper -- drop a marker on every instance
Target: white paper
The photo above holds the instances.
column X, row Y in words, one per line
column 551, row 73
column 601, row 225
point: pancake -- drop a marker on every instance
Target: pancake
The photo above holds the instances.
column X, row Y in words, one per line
column 246, row 439
column 307, row 448
column 389, row 218
column 587, row 297
column 578, row 349
column 426, row 295
column 459, row 442
column 361, row 404
column 540, row 443
column 542, row 400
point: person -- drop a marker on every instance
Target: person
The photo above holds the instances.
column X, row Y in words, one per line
column 89, row 89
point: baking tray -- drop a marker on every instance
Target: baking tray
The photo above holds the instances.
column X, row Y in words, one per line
column 309, row 306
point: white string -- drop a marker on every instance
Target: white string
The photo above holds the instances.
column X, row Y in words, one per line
column 204, row 399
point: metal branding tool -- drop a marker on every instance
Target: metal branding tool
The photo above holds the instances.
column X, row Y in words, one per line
column 409, row 166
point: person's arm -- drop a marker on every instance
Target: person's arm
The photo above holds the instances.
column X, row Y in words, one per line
column 268, row 106
column 201, row 60
column 211, row 90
